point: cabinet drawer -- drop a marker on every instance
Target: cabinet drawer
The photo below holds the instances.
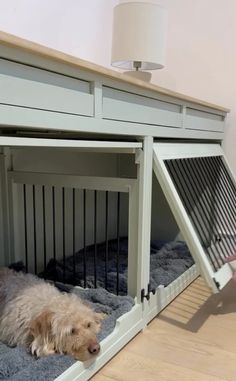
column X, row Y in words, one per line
column 26, row 86
column 205, row 121
column 125, row 106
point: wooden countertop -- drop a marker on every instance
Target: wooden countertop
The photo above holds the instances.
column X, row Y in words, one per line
column 55, row 55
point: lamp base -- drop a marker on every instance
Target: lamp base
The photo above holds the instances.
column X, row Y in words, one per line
column 138, row 74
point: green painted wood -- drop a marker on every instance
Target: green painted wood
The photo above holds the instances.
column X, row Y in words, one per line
column 20, row 117
column 17, row 54
column 202, row 120
column 35, row 88
column 120, row 105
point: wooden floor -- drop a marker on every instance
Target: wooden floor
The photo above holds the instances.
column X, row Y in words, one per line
column 193, row 339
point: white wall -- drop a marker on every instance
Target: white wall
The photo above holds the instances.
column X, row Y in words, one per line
column 201, row 57
column 78, row 27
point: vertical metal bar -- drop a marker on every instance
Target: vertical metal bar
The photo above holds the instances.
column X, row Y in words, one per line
column 84, row 253
column 53, row 223
column 106, row 238
column 73, row 222
column 118, row 245
column 35, row 235
column 44, row 231
column 220, row 203
column 204, row 172
column 181, row 182
column 231, row 185
column 204, row 207
column 186, row 197
column 193, row 172
column 229, row 190
column 63, row 234
column 95, row 239
column 230, row 196
column 25, row 225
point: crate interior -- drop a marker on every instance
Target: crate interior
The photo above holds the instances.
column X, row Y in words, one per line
column 68, row 232
column 170, row 256
column 79, row 236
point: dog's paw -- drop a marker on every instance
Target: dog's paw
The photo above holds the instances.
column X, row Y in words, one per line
column 41, row 350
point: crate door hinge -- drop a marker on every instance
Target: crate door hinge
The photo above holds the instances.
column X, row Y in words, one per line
column 149, row 291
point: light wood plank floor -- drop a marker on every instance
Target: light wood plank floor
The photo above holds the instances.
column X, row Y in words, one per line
column 193, row 339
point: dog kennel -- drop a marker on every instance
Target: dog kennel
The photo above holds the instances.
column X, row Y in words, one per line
column 109, row 184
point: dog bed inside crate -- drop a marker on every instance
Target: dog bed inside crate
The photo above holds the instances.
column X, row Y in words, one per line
column 168, row 260
column 16, row 364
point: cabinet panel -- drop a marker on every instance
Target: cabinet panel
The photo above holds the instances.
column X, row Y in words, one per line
column 125, row 106
column 30, row 87
column 202, row 120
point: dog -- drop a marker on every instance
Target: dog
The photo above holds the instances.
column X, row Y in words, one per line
column 36, row 315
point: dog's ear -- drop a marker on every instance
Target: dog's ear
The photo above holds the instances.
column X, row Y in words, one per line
column 98, row 317
column 41, row 325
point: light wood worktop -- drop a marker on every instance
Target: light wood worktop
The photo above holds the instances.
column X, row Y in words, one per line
column 58, row 56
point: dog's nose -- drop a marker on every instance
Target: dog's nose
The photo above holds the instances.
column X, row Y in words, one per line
column 94, row 349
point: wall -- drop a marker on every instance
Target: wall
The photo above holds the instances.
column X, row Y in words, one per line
column 200, row 62
column 201, row 58
column 78, row 27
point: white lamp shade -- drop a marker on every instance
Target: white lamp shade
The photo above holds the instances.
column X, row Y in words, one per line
column 139, row 35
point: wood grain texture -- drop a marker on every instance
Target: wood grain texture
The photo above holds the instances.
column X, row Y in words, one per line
column 194, row 338
column 43, row 51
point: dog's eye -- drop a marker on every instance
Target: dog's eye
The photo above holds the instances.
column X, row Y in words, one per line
column 88, row 325
column 73, row 331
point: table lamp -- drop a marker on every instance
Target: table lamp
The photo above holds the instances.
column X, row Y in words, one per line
column 139, row 38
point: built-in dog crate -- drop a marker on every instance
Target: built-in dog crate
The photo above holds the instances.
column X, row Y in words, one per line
column 107, row 183
column 73, row 222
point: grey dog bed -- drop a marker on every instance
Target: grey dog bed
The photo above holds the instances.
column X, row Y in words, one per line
column 16, row 364
column 168, row 260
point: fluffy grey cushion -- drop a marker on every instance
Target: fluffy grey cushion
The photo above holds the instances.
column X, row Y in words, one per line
column 167, row 261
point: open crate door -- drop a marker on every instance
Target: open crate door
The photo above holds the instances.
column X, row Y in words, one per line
column 201, row 192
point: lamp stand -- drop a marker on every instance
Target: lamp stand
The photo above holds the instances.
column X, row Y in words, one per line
column 138, row 74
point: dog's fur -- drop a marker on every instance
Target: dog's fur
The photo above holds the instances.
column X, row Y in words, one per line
column 35, row 314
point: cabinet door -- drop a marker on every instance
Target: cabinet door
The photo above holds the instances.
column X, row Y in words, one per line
column 201, row 192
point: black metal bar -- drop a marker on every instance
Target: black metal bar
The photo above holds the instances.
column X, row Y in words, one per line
column 203, row 209
column 53, row 223
column 211, row 194
column 221, row 210
column 182, row 183
column 73, row 230
column 229, row 191
column 230, row 197
column 95, row 239
column 44, row 231
column 63, row 234
column 198, row 179
column 201, row 186
column 191, row 198
column 231, row 185
column 35, row 235
column 188, row 199
column 106, row 239
column 84, row 252
column 25, row 226
column 118, row 245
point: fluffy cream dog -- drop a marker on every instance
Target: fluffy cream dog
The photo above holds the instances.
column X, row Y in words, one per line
column 35, row 314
